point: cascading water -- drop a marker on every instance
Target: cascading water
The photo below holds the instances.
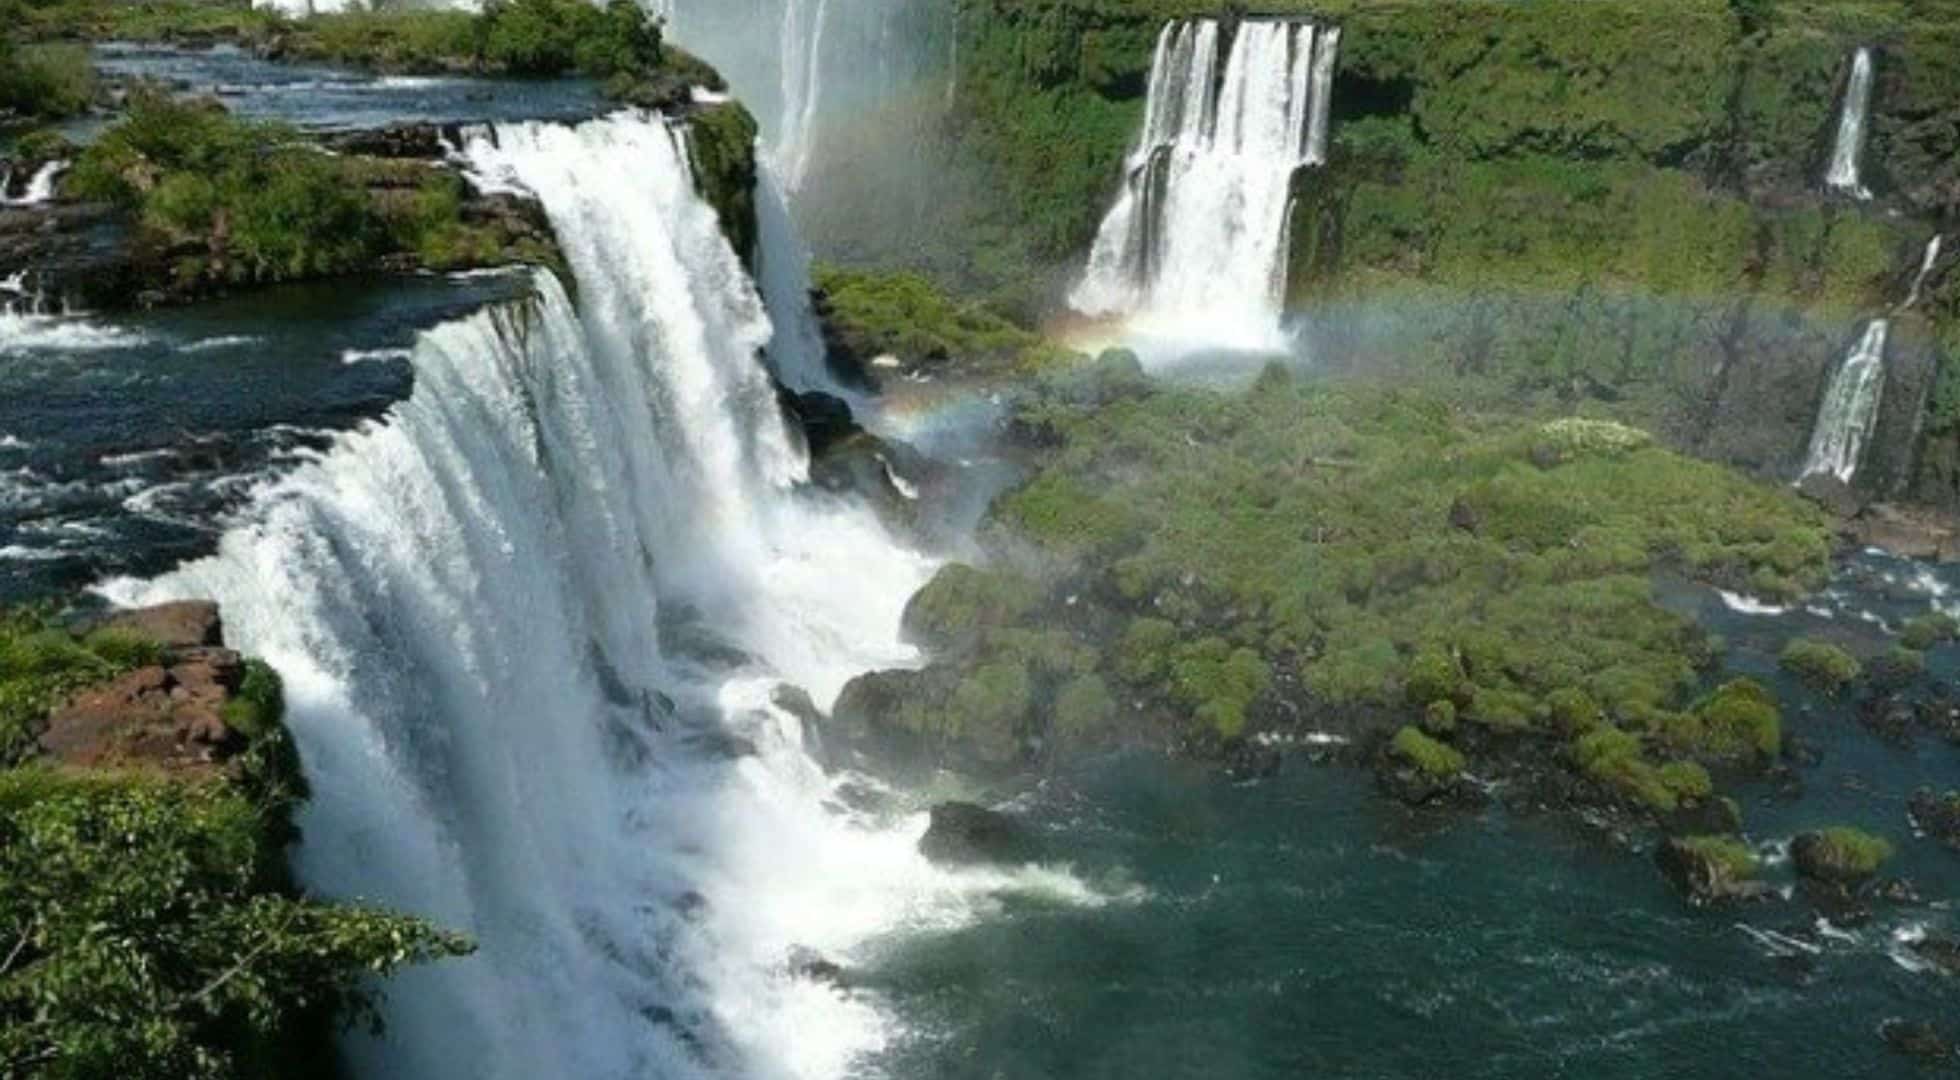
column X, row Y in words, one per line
column 802, row 63
column 1842, row 175
column 532, row 626
column 1197, row 238
column 1927, row 261
column 1849, row 415
column 40, row 186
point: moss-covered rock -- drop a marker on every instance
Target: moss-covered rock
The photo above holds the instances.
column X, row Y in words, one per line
column 1821, row 664
column 1710, row 870
column 1839, row 855
column 722, row 147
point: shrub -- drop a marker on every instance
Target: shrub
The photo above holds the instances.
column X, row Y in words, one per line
column 1840, row 853
column 1084, row 707
column 148, row 938
column 1740, row 718
column 44, row 82
column 960, row 600
column 1439, row 719
column 1821, row 664
column 1925, row 631
column 1437, row 760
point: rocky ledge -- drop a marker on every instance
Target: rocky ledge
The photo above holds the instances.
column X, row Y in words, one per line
column 170, row 715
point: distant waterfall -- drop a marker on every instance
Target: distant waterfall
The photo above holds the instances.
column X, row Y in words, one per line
column 531, row 626
column 1843, row 174
column 803, row 63
column 40, row 186
column 1197, row 237
column 1849, row 415
column 1927, row 261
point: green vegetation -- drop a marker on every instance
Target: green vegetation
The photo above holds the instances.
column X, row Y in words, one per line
column 1840, row 853
column 43, row 82
column 1925, row 631
column 1729, row 856
column 905, row 315
column 1821, row 664
column 41, row 663
column 1437, row 760
column 223, row 201
column 148, row 927
column 723, row 140
column 1370, row 554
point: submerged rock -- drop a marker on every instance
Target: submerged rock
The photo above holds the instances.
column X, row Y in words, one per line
column 967, row 834
column 1940, row 951
column 1938, row 816
column 1915, row 1038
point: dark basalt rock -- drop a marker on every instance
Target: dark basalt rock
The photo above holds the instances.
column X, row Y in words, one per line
column 812, row 966
column 1938, row 816
column 1832, row 494
column 825, row 418
column 1704, row 881
column 1247, row 759
column 1915, row 1038
column 967, row 834
column 1940, row 951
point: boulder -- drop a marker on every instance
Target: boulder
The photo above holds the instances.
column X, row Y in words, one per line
column 1940, row 951
column 812, row 966
column 1704, row 878
column 171, row 718
column 1841, row 857
column 967, row 834
column 1832, row 494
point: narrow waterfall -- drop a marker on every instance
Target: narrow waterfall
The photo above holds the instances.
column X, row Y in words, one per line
column 532, row 627
column 40, row 186
column 1850, row 145
column 1849, row 415
column 1197, row 235
column 1927, row 261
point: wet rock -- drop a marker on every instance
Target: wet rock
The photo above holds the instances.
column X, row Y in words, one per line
column 721, row 744
column 1703, row 878
column 1891, row 717
column 1832, row 494
column 1249, row 759
column 1938, row 816
column 1834, row 858
column 427, row 142
column 967, row 834
column 1912, row 532
column 1896, row 890
column 1940, row 951
column 1465, row 516
column 1915, row 1038
column 812, row 966
column 826, row 419
column 1801, row 752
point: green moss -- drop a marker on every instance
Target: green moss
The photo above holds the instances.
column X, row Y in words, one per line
column 1435, row 759
column 989, row 709
column 1845, row 853
column 1084, row 708
column 723, row 151
column 960, row 600
column 1439, row 718
column 1821, row 664
column 1218, row 682
column 906, row 315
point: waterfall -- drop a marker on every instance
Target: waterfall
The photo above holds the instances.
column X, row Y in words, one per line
column 531, row 626
column 1850, row 145
column 1197, row 236
column 40, row 186
column 1926, row 263
column 1849, row 415
column 803, row 63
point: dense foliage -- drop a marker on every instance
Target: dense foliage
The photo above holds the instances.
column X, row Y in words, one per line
column 229, row 200
column 906, row 315
column 148, row 928
column 1327, row 553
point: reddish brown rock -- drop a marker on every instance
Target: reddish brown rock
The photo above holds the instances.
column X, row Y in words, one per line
column 187, row 624
column 169, row 717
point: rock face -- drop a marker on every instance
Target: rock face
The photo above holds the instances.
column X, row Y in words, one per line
column 170, row 715
column 966, row 834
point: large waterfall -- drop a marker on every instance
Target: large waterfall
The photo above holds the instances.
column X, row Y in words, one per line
column 1849, row 414
column 1197, row 238
column 533, row 625
column 1843, row 175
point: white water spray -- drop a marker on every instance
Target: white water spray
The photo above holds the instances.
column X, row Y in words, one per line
column 40, row 187
column 1196, row 243
column 1842, row 174
column 1849, row 414
column 1927, row 261
column 531, row 625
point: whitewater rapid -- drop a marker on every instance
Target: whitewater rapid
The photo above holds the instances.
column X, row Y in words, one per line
column 533, row 627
